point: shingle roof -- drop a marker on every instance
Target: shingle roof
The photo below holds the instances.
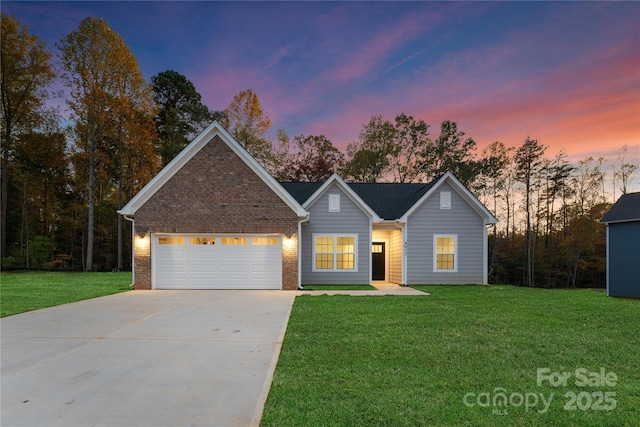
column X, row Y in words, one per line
column 388, row 200
column 301, row 191
column 627, row 208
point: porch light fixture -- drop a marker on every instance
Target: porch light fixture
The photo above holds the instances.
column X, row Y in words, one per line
column 141, row 242
column 288, row 242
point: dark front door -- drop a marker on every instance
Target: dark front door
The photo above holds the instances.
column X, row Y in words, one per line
column 377, row 261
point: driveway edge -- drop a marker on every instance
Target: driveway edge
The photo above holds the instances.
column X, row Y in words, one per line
column 266, row 386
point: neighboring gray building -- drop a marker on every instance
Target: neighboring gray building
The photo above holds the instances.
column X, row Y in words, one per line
column 623, row 247
column 400, row 233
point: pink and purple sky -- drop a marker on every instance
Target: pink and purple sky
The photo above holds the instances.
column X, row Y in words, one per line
column 567, row 73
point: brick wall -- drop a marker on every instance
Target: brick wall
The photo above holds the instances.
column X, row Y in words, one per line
column 216, row 192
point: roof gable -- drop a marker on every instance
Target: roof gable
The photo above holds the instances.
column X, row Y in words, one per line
column 626, row 209
column 389, row 201
column 320, row 189
column 475, row 204
column 213, row 130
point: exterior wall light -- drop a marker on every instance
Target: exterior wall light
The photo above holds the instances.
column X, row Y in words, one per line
column 142, row 242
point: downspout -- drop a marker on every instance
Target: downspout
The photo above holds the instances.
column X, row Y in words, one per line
column 300, row 221
column 607, row 258
column 485, row 256
column 371, row 256
column 133, row 248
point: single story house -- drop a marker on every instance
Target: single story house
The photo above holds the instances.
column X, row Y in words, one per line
column 214, row 218
column 622, row 222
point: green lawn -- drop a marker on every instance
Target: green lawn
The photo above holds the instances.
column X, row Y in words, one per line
column 408, row 361
column 28, row 290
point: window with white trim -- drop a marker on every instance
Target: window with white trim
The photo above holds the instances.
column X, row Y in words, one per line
column 335, row 252
column 203, row 241
column 445, row 200
column 234, row 241
column 334, row 203
column 264, row 241
column 445, row 253
column 171, row 240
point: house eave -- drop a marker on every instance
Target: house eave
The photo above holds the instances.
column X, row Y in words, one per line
column 620, row 221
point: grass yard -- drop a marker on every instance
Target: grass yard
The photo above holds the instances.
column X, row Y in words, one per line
column 415, row 361
column 29, row 290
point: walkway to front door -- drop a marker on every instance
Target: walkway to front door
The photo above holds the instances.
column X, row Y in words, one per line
column 382, row 288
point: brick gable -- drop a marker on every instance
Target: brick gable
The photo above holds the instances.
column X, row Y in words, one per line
column 216, row 192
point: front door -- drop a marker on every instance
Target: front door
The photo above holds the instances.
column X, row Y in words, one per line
column 378, row 265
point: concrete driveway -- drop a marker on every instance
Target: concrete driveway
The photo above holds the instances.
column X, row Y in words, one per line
column 144, row 358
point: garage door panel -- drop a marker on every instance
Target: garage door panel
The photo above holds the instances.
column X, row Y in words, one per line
column 168, row 270
column 205, row 255
column 267, row 284
column 169, row 255
column 235, row 252
column 168, row 283
column 201, row 283
column 227, row 269
column 208, row 268
column 264, row 268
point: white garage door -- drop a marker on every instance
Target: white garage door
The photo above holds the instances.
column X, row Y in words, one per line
column 217, row 262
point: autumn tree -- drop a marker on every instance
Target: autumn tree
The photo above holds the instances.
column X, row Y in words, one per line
column 181, row 115
column 134, row 162
column 528, row 160
column 624, row 167
column 249, row 125
column 369, row 157
column 411, row 139
column 557, row 174
column 495, row 161
column 314, row 158
column 106, row 90
column 587, row 182
column 450, row 152
column 41, row 174
column 25, row 73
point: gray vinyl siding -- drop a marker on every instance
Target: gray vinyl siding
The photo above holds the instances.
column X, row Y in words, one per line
column 624, row 259
column 395, row 257
column 460, row 220
column 350, row 220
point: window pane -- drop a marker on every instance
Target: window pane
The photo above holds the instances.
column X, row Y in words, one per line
column 345, row 262
column 376, row 249
column 171, row 240
column 324, row 261
column 445, row 245
column 203, row 241
column 346, row 244
column 324, row 244
column 445, row 262
column 234, row 240
column 264, row 241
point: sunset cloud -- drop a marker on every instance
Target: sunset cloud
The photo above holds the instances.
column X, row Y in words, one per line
column 566, row 73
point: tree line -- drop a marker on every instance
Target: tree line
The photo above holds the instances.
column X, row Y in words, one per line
column 64, row 178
